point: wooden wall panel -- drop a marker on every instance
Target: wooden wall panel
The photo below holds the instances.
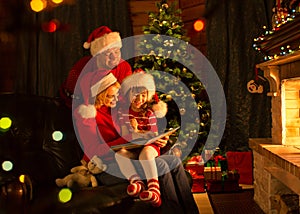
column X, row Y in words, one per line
column 193, row 13
column 190, row 3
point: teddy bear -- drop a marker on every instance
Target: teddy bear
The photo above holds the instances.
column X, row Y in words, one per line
column 83, row 176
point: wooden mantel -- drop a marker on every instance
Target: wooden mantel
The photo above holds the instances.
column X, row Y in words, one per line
column 274, row 74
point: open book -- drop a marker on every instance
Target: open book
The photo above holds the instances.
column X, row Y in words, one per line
column 137, row 143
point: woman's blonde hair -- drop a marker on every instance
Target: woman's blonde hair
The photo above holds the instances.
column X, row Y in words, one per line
column 100, row 98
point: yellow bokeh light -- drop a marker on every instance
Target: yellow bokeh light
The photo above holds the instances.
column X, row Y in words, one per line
column 38, row 5
column 22, row 178
column 57, row 136
column 57, row 1
column 64, row 195
column 7, row 166
column 5, row 123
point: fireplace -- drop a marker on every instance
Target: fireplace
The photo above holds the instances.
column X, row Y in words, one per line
column 277, row 159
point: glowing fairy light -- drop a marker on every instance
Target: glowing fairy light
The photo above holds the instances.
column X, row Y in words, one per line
column 5, row 123
column 22, row 178
column 57, row 135
column 7, row 165
column 38, row 5
column 64, row 195
column 198, row 25
column 57, row 1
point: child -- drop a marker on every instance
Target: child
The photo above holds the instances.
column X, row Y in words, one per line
column 138, row 117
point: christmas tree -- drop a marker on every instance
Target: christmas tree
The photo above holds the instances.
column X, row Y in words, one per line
column 168, row 59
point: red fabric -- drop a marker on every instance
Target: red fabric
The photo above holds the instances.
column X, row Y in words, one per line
column 68, row 86
column 241, row 161
column 104, row 121
column 96, row 136
column 146, row 122
column 198, row 184
column 85, row 67
column 122, row 70
column 98, row 32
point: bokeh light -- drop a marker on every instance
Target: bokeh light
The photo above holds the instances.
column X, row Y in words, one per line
column 57, row 1
column 64, row 195
column 38, row 5
column 22, row 178
column 7, row 166
column 198, row 25
column 5, row 123
column 57, row 135
column 50, row 26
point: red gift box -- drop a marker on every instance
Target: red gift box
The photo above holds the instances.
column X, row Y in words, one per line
column 194, row 169
column 195, row 166
column 242, row 162
column 198, row 184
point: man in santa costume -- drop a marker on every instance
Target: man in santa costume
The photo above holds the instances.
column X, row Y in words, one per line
column 105, row 48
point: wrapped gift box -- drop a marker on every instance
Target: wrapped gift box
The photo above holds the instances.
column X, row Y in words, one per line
column 195, row 169
column 213, row 173
column 229, row 182
column 198, row 184
column 243, row 162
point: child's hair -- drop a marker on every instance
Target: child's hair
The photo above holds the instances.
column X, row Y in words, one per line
column 100, row 98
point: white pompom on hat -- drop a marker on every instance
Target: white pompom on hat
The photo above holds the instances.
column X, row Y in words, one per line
column 101, row 39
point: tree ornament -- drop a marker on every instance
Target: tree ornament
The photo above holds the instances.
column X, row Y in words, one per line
column 182, row 111
column 166, row 6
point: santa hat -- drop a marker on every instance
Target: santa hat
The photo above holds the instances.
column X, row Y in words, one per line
column 101, row 39
column 91, row 85
column 144, row 80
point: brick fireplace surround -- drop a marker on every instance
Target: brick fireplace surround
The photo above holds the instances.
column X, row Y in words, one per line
column 277, row 159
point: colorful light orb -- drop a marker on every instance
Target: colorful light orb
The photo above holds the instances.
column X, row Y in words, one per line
column 38, row 5
column 22, row 178
column 198, row 25
column 50, row 26
column 7, row 166
column 57, row 135
column 5, row 123
column 64, row 195
column 57, row 1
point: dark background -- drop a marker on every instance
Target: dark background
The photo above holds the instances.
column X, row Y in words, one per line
column 36, row 62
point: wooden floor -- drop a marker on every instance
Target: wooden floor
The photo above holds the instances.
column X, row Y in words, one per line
column 203, row 203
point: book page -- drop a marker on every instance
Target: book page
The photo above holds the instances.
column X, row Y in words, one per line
column 141, row 142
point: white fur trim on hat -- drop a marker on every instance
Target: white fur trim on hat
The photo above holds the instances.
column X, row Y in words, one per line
column 104, row 42
column 87, row 111
column 103, row 84
column 160, row 109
